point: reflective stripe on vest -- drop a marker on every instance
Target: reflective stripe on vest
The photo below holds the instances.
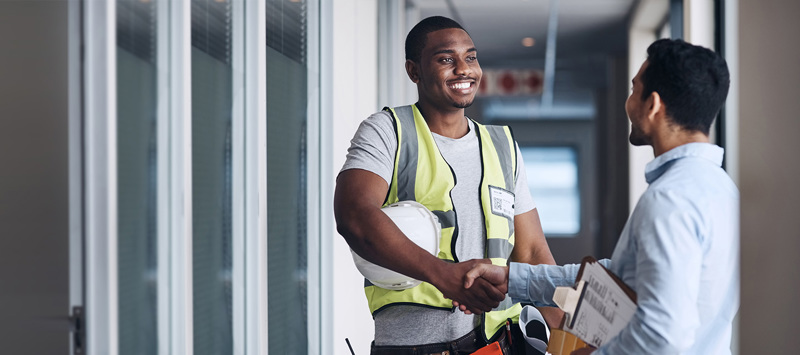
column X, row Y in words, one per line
column 422, row 174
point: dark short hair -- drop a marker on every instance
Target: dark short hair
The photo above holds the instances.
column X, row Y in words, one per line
column 417, row 37
column 692, row 81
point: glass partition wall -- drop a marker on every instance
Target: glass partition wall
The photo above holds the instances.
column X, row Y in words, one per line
column 201, row 268
column 286, row 176
column 212, row 107
column 137, row 146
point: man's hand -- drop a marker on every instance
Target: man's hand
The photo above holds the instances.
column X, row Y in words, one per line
column 497, row 275
column 481, row 295
column 482, row 273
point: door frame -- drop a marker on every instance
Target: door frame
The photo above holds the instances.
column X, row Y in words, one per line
column 99, row 195
column 578, row 134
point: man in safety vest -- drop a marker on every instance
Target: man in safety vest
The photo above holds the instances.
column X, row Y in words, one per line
column 469, row 175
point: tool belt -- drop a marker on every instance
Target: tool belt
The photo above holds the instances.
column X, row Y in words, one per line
column 467, row 344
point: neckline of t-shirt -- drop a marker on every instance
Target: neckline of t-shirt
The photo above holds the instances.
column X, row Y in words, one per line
column 470, row 133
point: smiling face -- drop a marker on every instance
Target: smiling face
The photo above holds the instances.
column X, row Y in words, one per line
column 447, row 74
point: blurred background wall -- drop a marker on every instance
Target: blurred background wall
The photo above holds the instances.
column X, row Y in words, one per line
column 769, row 84
column 34, row 189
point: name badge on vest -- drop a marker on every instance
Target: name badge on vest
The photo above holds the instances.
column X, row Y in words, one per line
column 502, row 202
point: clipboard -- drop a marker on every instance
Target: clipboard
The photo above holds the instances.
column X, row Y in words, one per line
column 624, row 287
column 596, row 308
column 590, row 259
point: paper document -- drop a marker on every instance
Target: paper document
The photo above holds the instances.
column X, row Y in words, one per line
column 598, row 307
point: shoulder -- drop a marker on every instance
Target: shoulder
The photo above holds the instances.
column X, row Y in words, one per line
column 380, row 119
column 379, row 124
column 695, row 179
column 690, row 188
column 373, row 146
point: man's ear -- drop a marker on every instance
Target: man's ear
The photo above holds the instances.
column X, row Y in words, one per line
column 655, row 106
column 412, row 70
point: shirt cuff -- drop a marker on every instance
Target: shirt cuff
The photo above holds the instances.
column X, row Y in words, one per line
column 536, row 283
column 517, row 283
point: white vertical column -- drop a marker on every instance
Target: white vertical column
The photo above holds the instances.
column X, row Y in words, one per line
column 327, row 229
column 315, row 206
column 100, row 110
column 180, row 165
column 238, row 167
column 354, row 56
column 393, row 89
column 253, row 42
column 164, row 219
column 698, row 29
column 412, row 17
column 732, row 103
column 698, row 22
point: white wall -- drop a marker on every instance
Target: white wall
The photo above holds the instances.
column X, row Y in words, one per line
column 698, row 22
column 394, row 21
column 646, row 18
column 351, row 81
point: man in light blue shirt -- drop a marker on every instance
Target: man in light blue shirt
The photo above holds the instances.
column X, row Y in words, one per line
column 679, row 249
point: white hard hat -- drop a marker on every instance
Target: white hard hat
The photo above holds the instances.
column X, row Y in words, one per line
column 420, row 226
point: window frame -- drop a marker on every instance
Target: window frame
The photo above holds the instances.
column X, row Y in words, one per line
column 99, row 175
column 316, row 206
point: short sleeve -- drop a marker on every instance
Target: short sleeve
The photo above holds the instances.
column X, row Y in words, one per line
column 373, row 146
column 524, row 201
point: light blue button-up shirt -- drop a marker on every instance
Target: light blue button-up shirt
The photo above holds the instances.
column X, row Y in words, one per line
column 678, row 251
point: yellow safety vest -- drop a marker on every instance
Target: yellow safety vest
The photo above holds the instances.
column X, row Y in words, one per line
column 421, row 174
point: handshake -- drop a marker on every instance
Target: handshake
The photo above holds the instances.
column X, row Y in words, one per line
column 475, row 286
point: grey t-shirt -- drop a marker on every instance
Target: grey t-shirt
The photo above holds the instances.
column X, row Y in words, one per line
column 373, row 148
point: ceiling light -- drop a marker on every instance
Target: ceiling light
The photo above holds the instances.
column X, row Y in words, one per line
column 528, row 41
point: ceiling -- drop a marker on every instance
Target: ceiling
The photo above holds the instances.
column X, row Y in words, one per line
column 585, row 27
column 591, row 35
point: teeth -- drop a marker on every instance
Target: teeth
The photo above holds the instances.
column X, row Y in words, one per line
column 460, row 86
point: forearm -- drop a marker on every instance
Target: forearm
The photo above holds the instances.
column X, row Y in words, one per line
column 371, row 233
column 531, row 248
column 373, row 236
column 541, row 257
column 536, row 283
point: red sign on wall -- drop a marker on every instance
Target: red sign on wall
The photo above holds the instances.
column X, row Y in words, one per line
column 511, row 82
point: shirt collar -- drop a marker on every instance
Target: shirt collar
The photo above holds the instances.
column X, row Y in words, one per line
column 660, row 164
